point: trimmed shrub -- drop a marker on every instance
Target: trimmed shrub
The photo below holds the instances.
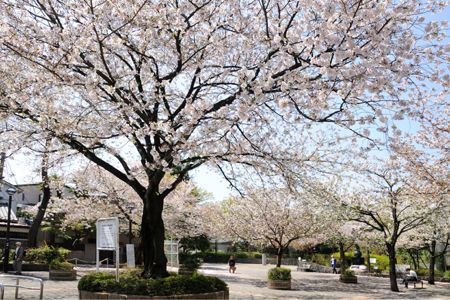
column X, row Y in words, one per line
column 58, row 264
column 279, row 274
column 131, row 284
column 46, row 254
column 348, row 273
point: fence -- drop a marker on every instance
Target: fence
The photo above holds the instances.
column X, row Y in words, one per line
column 17, row 285
column 86, row 262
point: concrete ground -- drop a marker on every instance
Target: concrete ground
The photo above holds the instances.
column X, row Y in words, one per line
column 249, row 282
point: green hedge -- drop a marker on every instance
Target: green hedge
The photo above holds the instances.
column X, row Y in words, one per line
column 447, row 274
column 279, row 274
column 222, row 257
column 131, row 284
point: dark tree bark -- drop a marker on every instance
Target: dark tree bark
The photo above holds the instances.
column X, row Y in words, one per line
column 341, row 256
column 412, row 254
column 392, row 260
column 152, row 237
column 46, row 194
column 279, row 256
column 432, row 250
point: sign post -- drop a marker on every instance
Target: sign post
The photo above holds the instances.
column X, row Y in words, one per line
column 108, row 239
column 130, row 256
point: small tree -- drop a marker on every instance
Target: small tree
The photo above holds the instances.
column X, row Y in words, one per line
column 392, row 204
column 433, row 237
column 277, row 217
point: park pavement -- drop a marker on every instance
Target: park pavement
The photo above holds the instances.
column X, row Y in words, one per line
column 249, row 282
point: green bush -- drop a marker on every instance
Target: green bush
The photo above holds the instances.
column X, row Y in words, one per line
column 447, row 274
column 58, row 264
column 189, row 261
column 322, row 259
column 382, row 260
column 426, row 272
column 279, row 274
column 130, row 284
column 46, row 254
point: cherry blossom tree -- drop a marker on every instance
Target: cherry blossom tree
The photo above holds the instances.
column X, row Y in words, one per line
column 177, row 84
column 94, row 187
column 393, row 202
column 426, row 155
column 435, row 233
column 275, row 217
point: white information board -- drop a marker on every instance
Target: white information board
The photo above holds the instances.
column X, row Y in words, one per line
column 373, row 260
column 107, row 234
column 108, row 239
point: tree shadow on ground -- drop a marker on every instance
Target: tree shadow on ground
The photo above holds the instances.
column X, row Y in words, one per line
column 215, row 268
column 323, row 289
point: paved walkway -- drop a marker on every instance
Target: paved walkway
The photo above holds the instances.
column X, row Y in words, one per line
column 249, row 282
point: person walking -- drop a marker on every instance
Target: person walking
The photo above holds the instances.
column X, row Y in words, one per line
column 18, row 258
column 231, row 264
column 333, row 264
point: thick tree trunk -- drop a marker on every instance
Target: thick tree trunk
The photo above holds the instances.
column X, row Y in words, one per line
column 34, row 229
column 279, row 256
column 392, row 261
column 341, row 256
column 152, row 237
column 432, row 250
column 46, row 194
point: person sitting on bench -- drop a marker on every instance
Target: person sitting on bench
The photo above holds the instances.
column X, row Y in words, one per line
column 411, row 276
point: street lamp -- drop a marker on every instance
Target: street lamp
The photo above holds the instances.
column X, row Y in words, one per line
column 130, row 222
column 10, row 192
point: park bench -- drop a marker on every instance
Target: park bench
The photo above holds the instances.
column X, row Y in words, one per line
column 304, row 266
column 415, row 282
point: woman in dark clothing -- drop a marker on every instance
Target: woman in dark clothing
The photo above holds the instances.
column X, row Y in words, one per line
column 232, row 264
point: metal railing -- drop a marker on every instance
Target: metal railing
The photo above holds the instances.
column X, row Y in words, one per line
column 76, row 260
column 17, row 285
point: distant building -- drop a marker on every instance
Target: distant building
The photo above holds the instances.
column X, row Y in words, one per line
column 18, row 226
